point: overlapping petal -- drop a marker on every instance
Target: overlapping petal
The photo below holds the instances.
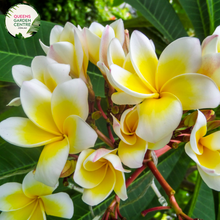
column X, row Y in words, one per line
column 55, row 34
column 130, row 83
column 36, row 102
column 33, row 188
column 120, row 186
column 194, row 91
column 161, row 143
column 122, row 98
column 24, row 213
column 69, row 98
column 59, row 205
column 199, row 130
column 76, row 130
column 209, row 45
column 118, row 27
column 21, row 73
column 181, row 56
column 39, row 67
column 87, row 178
column 211, row 141
column 24, row 133
column 97, row 194
column 132, row 155
column 158, row 117
column 51, row 162
column 10, row 194
column 211, row 181
column 38, row 212
column 144, row 59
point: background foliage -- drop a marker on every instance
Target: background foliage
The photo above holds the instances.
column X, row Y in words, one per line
column 162, row 21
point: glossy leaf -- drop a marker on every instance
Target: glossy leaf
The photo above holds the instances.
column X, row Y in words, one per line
column 162, row 16
column 197, row 12
column 202, row 204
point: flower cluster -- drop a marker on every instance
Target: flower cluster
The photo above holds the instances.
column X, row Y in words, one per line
column 146, row 94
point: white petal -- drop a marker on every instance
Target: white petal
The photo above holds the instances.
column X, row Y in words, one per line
column 118, row 27
column 44, row 47
column 160, row 144
column 51, row 162
column 81, row 136
column 213, row 182
column 24, row 133
column 158, row 117
column 55, row 34
column 32, row 188
column 15, row 102
column 36, row 102
column 209, row 45
column 69, row 98
column 59, row 205
column 21, row 73
column 122, row 98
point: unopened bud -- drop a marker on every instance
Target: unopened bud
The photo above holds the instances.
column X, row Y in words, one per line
column 209, row 114
column 115, row 109
column 213, row 125
column 190, row 120
column 96, row 115
column 125, row 45
column 68, row 169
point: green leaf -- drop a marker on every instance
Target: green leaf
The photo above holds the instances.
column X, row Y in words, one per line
column 202, row 204
column 20, row 51
column 214, row 10
column 162, row 16
column 197, row 12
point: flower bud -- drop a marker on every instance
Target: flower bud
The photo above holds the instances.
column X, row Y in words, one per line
column 68, row 169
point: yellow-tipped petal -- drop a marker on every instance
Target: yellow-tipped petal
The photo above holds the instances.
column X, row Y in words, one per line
column 122, row 98
column 116, row 54
column 59, row 205
column 127, row 138
column 10, row 194
column 24, row 213
column 199, row 130
column 143, row 58
column 209, row 158
column 93, row 43
column 87, row 178
column 51, row 162
column 32, row 188
column 97, row 194
column 69, row 98
column 181, row 56
column 130, row 83
column 160, row 144
column 118, row 27
column 24, row 133
column 80, row 135
column 158, row 117
column 39, row 67
column 120, row 186
column 38, row 212
column 194, row 91
column 211, row 141
column 36, row 102
column 132, row 155
column 57, row 74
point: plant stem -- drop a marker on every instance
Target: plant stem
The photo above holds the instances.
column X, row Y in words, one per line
column 145, row 212
column 104, row 138
column 167, row 188
column 98, row 102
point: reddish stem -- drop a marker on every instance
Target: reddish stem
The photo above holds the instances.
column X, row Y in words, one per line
column 134, row 175
column 167, row 188
column 110, row 133
column 98, row 102
column 145, row 212
column 74, row 156
column 104, row 138
column 162, row 151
